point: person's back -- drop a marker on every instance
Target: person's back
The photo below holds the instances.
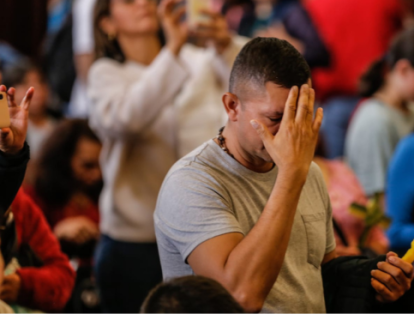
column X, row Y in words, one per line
column 373, row 134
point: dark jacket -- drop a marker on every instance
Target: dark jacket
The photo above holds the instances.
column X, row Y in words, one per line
column 12, row 171
column 347, row 288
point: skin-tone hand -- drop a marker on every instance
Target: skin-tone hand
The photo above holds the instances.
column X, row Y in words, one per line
column 293, row 147
column 10, row 288
column 78, row 230
column 176, row 31
column 392, row 279
column 215, row 31
column 12, row 139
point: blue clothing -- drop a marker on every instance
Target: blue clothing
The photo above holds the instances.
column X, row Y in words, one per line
column 337, row 113
column 400, row 195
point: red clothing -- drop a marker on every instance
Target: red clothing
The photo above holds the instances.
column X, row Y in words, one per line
column 356, row 33
column 54, row 215
column 49, row 287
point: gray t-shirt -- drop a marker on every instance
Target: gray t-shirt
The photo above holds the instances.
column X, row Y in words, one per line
column 208, row 193
column 373, row 134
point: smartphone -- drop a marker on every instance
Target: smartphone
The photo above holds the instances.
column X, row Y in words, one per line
column 194, row 9
column 4, row 111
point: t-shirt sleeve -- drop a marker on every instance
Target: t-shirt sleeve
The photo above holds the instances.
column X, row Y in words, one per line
column 192, row 208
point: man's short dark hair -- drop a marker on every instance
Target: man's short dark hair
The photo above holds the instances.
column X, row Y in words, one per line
column 265, row 60
column 191, row 294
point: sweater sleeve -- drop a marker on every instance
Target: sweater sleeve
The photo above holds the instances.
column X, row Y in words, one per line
column 49, row 287
column 12, row 171
column 400, row 195
column 119, row 108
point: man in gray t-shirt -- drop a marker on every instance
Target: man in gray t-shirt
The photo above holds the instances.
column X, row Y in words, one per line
column 248, row 208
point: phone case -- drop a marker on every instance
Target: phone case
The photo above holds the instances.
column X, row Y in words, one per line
column 194, row 8
column 4, row 111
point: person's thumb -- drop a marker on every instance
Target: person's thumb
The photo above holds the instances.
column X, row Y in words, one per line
column 262, row 130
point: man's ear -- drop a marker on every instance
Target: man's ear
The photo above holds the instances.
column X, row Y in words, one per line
column 232, row 105
column 107, row 26
column 403, row 67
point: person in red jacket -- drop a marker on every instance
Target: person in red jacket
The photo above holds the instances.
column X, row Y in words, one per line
column 45, row 288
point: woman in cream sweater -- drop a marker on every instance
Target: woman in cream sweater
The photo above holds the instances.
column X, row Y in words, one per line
column 150, row 105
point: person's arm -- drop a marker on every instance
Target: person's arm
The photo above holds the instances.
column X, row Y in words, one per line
column 400, row 195
column 248, row 266
column 120, row 109
column 14, row 153
column 49, row 287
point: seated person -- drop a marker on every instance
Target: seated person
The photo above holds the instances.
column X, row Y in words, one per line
column 249, row 208
column 48, row 286
column 68, row 184
column 344, row 189
column 385, row 117
column 43, row 278
column 400, row 196
column 191, row 294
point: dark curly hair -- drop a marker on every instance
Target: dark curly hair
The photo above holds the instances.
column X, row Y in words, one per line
column 55, row 183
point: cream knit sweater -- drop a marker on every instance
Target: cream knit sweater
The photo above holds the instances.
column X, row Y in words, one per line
column 147, row 117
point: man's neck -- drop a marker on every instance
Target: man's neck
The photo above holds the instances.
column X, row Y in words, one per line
column 247, row 160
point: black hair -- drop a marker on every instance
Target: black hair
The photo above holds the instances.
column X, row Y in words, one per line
column 55, row 182
column 374, row 78
column 16, row 74
column 265, row 60
column 191, row 294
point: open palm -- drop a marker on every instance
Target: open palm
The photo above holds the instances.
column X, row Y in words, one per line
column 12, row 138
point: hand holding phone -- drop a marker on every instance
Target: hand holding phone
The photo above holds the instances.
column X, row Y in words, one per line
column 12, row 138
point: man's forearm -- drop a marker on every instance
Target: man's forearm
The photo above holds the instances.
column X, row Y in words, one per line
column 255, row 262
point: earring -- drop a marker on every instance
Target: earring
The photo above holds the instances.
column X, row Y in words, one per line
column 111, row 37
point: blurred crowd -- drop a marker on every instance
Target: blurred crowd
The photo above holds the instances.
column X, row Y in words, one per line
column 125, row 88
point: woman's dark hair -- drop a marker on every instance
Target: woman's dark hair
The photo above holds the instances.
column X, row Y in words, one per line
column 16, row 74
column 104, row 45
column 190, row 294
column 55, row 183
column 401, row 48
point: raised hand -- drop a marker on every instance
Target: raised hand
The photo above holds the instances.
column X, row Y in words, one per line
column 12, row 139
column 392, row 279
column 176, row 31
column 215, row 31
column 293, row 147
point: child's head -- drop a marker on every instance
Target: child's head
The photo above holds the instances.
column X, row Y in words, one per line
column 395, row 70
column 23, row 76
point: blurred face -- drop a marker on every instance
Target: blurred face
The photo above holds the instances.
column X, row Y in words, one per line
column 85, row 162
column 131, row 18
column 408, row 83
column 39, row 101
column 266, row 106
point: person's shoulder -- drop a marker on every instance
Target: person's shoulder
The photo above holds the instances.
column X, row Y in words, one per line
column 406, row 146
column 371, row 109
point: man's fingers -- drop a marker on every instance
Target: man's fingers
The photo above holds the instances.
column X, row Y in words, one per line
column 318, row 121
column 396, row 272
column 382, row 290
column 407, row 268
column 386, row 279
column 28, row 98
column 262, row 130
column 3, row 88
column 178, row 15
column 303, row 104
column 291, row 105
column 311, row 105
